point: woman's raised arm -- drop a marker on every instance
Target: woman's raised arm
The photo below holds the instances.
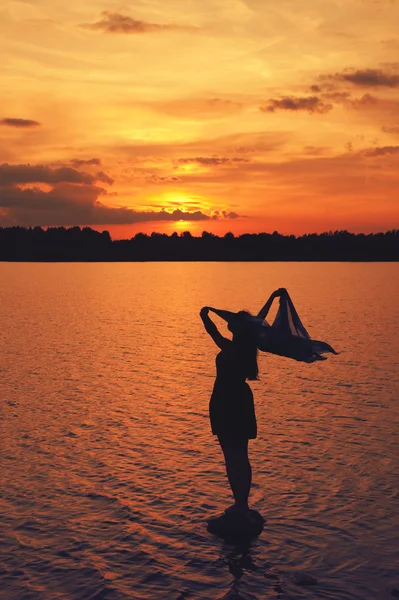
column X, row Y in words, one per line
column 265, row 309
column 227, row 315
column 210, row 327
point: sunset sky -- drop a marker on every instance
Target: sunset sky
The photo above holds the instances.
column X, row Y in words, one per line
column 216, row 115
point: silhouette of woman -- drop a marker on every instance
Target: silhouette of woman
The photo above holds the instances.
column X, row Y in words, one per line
column 231, row 407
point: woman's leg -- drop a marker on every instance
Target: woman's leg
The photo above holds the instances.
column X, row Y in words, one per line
column 238, row 469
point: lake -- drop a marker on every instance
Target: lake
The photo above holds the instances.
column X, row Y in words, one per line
column 108, row 466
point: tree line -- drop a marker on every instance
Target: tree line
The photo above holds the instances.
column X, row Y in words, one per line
column 86, row 244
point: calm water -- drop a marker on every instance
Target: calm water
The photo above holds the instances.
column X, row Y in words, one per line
column 108, row 466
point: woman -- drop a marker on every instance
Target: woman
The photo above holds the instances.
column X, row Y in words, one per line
column 231, row 408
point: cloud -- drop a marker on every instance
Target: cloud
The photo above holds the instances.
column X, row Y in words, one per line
column 20, row 174
column 195, row 108
column 368, row 78
column 244, row 150
column 252, row 142
column 78, row 162
column 178, row 215
column 60, row 200
column 316, row 150
column 311, row 104
column 338, row 97
column 64, row 206
column 391, row 129
column 209, row 161
column 118, row 23
column 101, row 176
column 22, row 123
column 163, row 179
column 366, row 101
column 381, row 151
column 73, row 199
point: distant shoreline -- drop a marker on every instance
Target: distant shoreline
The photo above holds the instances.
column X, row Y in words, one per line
column 75, row 244
column 178, row 260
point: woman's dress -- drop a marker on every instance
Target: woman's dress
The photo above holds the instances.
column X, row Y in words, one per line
column 231, row 407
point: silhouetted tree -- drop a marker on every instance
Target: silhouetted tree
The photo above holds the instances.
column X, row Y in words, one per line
column 76, row 244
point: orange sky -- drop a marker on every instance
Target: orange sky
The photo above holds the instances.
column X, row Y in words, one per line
column 217, row 115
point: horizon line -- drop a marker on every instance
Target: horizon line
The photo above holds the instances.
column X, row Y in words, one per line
column 187, row 233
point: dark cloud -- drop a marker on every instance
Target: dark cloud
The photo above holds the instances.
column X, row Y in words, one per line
column 20, row 174
column 63, row 206
column 381, row 151
column 346, row 99
column 209, row 161
column 162, row 180
column 368, row 78
column 244, row 150
column 311, row 104
column 366, row 101
column 101, row 176
column 230, row 215
column 391, row 129
column 72, row 200
column 60, row 200
column 19, row 122
column 118, row 23
column 338, row 97
column 179, row 215
column 78, row 162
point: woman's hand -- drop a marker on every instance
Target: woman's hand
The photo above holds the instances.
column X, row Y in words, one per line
column 264, row 311
column 279, row 292
column 204, row 311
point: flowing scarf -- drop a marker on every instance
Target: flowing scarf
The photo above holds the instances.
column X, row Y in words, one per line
column 287, row 336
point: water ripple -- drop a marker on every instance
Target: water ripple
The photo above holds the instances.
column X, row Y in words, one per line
column 110, row 470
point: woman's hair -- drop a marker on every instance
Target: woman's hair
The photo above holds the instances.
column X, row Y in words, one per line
column 248, row 348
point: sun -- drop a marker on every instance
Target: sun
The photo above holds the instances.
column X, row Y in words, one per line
column 180, row 200
column 181, row 225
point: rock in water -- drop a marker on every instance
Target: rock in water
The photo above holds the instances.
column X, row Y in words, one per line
column 236, row 527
